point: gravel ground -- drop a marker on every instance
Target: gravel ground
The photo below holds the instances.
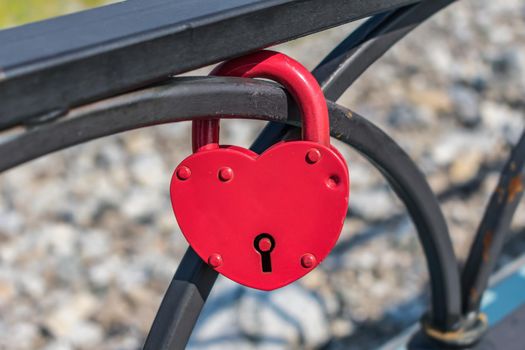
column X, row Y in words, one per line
column 89, row 241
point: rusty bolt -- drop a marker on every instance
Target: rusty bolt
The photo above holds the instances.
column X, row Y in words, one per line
column 183, row 173
column 215, row 260
column 313, row 155
column 308, row 261
column 225, row 174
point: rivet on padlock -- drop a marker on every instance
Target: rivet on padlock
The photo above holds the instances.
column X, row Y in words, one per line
column 275, row 216
column 215, row 260
column 308, row 261
column 313, row 155
column 183, row 173
column 225, row 174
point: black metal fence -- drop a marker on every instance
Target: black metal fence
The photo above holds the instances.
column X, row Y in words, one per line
column 122, row 80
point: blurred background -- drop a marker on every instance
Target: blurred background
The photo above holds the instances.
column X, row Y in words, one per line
column 89, row 242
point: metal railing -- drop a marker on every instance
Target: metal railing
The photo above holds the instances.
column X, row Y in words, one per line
column 73, row 91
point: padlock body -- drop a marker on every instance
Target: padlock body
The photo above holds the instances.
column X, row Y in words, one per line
column 298, row 199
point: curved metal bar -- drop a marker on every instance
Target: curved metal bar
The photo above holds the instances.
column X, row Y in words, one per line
column 194, row 98
column 352, row 57
column 493, row 229
column 338, row 71
column 183, row 99
column 412, row 188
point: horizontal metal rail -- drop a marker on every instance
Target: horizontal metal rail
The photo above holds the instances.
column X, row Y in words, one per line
column 134, row 43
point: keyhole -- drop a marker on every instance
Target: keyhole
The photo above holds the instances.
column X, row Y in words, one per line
column 264, row 244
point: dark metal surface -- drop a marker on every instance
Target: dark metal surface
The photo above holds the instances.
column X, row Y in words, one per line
column 130, row 44
column 493, row 229
column 192, row 98
column 181, row 99
column 181, row 304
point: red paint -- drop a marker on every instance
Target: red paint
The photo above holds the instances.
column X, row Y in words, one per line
column 277, row 193
column 292, row 75
column 296, row 192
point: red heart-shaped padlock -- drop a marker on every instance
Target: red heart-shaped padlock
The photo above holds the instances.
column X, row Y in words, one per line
column 235, row 207
column 264, row 220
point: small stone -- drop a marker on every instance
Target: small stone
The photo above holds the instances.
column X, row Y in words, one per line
column 95, row 244
column 314, row 279
column 11, row 223
column 341, row 328
column 465, row 167
column 438, row 182
column 85, row 335
column 373, row 204
column 436, row 100
column 103, row 273
column 33, row 284
column 453, row 145
column 63, row 321
column 503, row 119
column 59, row 239
column 365, row 260
column 141, row 204
column 406, row 116
column 149, row 170
column 363, row 175
column 131, row 277
column 24, row 335
column 466, row 105
column 7, row 291
column 58, row 345
column 305, row 316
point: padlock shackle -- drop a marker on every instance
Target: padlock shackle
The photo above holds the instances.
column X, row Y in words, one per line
column 292, row 75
